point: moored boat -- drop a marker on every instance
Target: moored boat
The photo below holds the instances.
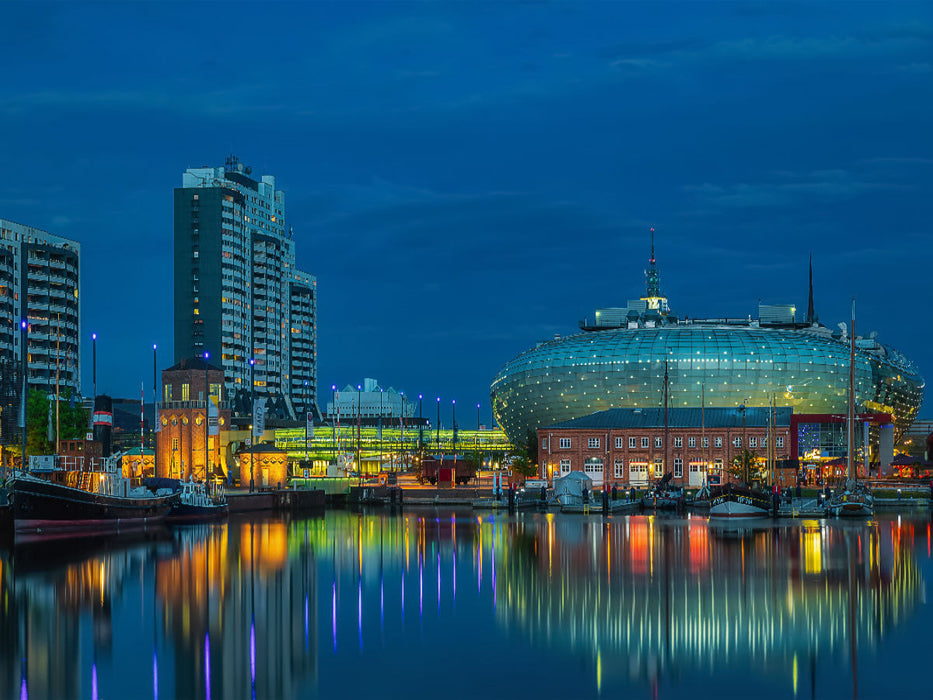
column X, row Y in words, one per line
column 664, row 496
column 73, row 495
column 195, row 504
column 738, row 500
column 853, row 499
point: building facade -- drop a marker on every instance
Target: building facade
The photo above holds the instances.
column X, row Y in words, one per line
column 238, row 294
column 630, row 357
column 188, row 443
column 40, row 281
column 370, row 401
column 633, row 447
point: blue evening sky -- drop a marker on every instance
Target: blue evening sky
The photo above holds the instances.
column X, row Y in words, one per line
column 468, row 178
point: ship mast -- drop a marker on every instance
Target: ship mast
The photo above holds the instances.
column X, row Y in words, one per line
column 850, row 418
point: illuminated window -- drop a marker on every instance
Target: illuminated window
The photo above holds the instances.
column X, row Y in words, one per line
column 779, row 442
column 705, row 442
column 718, row 442
column 564, row 466
column 185, row 391
column 753, row 442
column 168, row 392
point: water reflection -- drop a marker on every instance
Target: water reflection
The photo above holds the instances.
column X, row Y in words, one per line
column 274, row 608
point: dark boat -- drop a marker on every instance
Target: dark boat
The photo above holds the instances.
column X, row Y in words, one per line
column 6, row 514
column 738, row 500
column 67, row 501
column 195, row 504
column 664, row 496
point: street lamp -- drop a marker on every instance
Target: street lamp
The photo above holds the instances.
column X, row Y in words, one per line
column 453, row 420
column 24, row 326
column 477, row 416
column 333, row 423
column 155, row 412
column 207, row 416
column 438, row 438
column 93, row 360
column 359, row 461
column 380, row 429
column 252, row 408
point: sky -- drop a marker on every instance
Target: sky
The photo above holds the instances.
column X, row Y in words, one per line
column 467, row 179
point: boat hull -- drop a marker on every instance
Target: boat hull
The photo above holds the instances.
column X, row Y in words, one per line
column 182, row 513
column 851, row 509
column 739, row 503
column 47, row 507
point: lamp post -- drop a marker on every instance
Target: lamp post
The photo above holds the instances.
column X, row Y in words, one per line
column 333, row 423
column 252, row 408
column 401, row 440
column 155, row 412
column 420, row 433
column 306, row 419
column 93, row 362
column 380, row 429
column 359, row 461
column 477, row 417
column 453, row 420
column 24, row 326
column 207, row 419
column 438, row 435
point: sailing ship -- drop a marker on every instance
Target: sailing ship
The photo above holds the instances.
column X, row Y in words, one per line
column 67, row 495
column 852, row 497
column 738, row 500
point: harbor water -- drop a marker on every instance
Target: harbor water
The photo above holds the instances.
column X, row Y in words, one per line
column 448, row 603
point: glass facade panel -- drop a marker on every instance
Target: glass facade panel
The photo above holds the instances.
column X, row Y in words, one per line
column 709, row 364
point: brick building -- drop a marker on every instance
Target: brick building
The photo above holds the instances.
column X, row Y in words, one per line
column 183, row 420
column 626, row 446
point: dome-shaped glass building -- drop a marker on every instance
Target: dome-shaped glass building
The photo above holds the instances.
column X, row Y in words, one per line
column 620, row 361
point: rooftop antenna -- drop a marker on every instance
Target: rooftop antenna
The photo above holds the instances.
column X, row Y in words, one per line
column 651, row 275
column 811, row 314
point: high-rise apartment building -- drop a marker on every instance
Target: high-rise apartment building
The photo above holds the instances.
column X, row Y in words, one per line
column 238, row 294
column 40, row 282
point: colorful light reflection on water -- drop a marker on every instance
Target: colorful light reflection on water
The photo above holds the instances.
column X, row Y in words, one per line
column 570, row 607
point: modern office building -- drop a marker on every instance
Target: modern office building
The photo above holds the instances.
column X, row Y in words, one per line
column 238, row 295
column 621, row 358
column 40, row 281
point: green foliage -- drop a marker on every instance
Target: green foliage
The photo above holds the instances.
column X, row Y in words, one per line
column 524, row 466
column 745, row 466
column 531, row 447
column 73, row 421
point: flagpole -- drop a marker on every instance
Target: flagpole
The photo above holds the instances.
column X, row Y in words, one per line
column 142, row 423
column 58, row 362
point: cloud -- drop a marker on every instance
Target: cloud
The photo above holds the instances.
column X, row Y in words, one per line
column 790, row 188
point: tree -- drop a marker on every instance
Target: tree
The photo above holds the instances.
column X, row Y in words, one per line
column 745, row 467
column 73, row 421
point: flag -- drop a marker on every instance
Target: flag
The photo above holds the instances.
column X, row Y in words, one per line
column 309, row 425
column 380, row 427
column 22, row 407
column 213, row 416
column 259, row 419
column 51, row 431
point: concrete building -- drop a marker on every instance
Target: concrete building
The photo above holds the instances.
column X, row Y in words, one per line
column 40, row 280
column 238, row 294
column 187, row 445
